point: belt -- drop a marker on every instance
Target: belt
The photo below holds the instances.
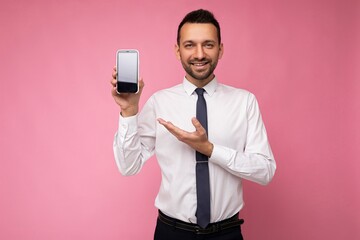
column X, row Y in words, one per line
column 211, row 228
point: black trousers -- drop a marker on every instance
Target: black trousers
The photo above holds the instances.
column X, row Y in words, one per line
column 166, row 232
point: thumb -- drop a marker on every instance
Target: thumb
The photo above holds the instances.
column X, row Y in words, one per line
column 141, row 85
column 197, row 124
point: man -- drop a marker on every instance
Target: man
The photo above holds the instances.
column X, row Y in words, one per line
column 203, row 159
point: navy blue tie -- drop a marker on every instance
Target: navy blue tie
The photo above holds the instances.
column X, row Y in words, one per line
column 202, row 168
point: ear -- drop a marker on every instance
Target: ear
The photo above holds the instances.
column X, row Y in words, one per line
column 177, row 51
column 221, row 50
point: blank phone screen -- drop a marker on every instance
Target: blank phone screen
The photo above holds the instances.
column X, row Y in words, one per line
column 128, row 66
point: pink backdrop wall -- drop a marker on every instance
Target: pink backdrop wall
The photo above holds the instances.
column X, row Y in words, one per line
column 58, row 179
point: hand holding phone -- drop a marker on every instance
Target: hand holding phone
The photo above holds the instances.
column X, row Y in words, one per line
column 128, row 98
column 127, row 64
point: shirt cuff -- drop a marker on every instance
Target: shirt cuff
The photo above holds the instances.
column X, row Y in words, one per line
column 221, row 155
column 127, row 124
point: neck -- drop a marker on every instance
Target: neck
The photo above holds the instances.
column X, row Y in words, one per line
column 200, row 83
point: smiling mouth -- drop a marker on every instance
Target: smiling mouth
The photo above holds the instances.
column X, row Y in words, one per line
column 199, row 64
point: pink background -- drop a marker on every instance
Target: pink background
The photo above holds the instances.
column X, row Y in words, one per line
column 58, row 178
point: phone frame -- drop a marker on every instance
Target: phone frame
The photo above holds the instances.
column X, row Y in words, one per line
column 126, row 87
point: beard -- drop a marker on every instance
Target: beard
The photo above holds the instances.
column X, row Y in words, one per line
column 202, row 74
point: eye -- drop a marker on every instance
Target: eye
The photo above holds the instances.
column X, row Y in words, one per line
column 188, row 45
column 209, row 45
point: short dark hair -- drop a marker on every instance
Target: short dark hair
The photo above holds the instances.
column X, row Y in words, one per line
column 200, row 16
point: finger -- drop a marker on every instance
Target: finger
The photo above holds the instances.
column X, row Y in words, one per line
column 161, row 121
column 169, row 126
column 197, row 125
column 113, row 82
column 179, row 133
column 141, row 85
column 114, row 92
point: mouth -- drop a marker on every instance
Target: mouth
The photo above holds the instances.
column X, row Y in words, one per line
column 200, row 65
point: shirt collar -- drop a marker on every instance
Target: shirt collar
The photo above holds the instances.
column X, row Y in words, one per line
column 209, row 88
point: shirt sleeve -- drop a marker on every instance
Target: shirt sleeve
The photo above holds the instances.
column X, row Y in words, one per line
column 255, row 162
column 134, row 141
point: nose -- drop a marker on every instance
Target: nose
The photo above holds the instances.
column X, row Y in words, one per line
column 199, row 54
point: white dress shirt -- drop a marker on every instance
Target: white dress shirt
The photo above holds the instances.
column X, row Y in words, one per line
column 241, row 148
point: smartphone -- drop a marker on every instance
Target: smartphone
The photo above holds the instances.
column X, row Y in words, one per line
column 127, row 66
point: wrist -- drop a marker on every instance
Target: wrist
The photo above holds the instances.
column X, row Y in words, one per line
column 128, row 112
column 210, row 148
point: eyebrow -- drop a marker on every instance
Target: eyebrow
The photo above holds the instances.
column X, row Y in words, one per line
column 206, row 41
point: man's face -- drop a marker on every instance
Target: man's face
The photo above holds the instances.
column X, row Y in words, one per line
column 199, row 51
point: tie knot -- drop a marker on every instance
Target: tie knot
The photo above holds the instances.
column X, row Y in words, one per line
column 200, row 91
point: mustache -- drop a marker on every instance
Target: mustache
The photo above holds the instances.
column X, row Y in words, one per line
column 200, row 60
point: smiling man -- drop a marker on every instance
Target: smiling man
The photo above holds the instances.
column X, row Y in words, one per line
column 198, row 55
column 207, row 138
